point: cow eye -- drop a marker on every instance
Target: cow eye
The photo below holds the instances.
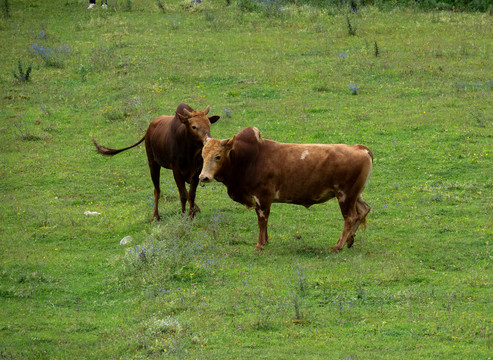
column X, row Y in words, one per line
column 194, row 127
column 218, row 157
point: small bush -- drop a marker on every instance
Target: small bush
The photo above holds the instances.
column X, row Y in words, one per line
column 351, row 29
column 83, row 73
column 22, row 75
column 6, row 8
column 161, row 6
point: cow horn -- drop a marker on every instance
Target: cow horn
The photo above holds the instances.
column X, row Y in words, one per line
column 206, row 111
column 187, row 113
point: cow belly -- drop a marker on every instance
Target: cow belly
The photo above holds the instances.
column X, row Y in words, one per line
column 324, row 197
column 165, row 164
column 305, row 197
column 313, row 180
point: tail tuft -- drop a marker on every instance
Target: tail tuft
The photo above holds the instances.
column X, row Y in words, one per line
column 103, row 150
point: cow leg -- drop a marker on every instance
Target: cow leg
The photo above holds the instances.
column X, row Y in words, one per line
column 350, row 241
column 155, row 169
column 362, row 210
column 348, row 210
column 263, row 217
column 182, row 189
column 191, row 197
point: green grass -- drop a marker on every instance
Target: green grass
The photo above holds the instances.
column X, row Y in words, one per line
column 416, row 284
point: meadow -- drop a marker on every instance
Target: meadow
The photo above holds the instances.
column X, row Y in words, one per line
column 415, row 86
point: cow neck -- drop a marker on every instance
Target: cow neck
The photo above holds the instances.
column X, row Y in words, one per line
column 180, row 132
column 233, row 170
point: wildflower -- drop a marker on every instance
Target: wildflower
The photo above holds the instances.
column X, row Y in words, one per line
column 343, row 55
column 354, row 88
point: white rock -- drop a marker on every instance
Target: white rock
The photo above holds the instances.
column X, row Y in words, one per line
column 91, row 213
column 126, row 240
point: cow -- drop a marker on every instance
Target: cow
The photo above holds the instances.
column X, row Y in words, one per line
column 174, row 142
column 258, row 172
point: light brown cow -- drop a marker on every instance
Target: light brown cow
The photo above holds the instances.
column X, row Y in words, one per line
column 258, row 172
column 174, row 142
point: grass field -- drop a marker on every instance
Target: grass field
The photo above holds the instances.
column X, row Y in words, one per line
column 416, row 87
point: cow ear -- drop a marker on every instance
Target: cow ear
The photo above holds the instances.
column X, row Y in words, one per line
column 230, row 143
column 182, row 118
column 214, row 118
column 187, row 113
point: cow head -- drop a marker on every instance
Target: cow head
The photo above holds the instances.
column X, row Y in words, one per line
column 214, row 153
column 197, row 123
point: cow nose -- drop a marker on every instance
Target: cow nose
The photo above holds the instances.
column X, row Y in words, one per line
column 204, row 178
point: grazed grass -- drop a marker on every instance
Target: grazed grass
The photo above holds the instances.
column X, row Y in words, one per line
column 417, row 283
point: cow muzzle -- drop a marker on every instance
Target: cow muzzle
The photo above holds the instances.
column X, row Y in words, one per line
column 205, row 179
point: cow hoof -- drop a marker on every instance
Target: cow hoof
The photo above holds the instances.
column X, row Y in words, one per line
column 259, row 247
column 350, row 241
column 195, row 209
column 334, row 249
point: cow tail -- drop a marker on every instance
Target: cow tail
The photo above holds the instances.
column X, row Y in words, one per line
column 103, row 150
column 371, row 155
column 368, row 151
column 363, row 224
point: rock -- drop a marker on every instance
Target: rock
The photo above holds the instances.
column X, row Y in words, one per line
column 126, row 240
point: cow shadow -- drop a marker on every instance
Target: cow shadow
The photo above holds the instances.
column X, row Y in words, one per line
column 298, row 245
column 302, row 246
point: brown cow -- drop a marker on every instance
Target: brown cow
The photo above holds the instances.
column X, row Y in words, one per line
column 174, row 142
column 259, row 172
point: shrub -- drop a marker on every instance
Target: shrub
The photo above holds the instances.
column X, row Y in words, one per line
column 6, row 8
column 22, row 75
column 351, row 29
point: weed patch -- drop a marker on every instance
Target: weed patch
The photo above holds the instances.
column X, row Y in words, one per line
column 52, row 57
column 171, row 252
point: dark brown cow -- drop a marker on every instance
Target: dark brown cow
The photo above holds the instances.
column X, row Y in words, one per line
column 259, row 172
column 175, row 142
